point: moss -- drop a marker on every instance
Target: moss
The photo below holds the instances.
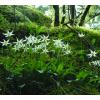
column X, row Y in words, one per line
column 34, row 15
column 23, row 14
column 4, row 24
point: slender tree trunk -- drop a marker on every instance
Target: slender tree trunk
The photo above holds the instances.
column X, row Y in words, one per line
column 56, row 21
column 81, row 23
column 64, row 11
column 69, row 12
column 72, row 14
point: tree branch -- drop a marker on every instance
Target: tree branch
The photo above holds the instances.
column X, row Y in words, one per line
column 96, row 14
column 84, row 15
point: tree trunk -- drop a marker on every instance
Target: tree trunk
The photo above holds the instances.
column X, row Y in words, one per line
column 56, row 21
column 72, row 15
column 69, row 12
column 63, row 18
column 81, row 23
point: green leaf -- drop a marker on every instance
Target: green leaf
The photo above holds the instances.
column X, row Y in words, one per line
column 93, row 41
column 82, row 75
column 60, row 68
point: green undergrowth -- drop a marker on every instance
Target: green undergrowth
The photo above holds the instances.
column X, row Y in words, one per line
column 35, row 73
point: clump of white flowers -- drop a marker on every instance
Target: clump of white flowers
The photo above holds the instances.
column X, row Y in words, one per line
column 39, row 44
column 58, row 43
column 31, row 40
column 18, row 44
column 66, row 49
column 81, row 35
column 92, row 54
column 95, row 63
column 5, row 43
column 44, row 38
column 43, row 44
column 9, row 34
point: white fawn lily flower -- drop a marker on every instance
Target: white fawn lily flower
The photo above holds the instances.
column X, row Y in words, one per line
column 29, row 40
column 26, row 49
column 66, row 49
column 66, row 52
column 36, row 48
column 66, row 46
column 20, row 46
column 5, row 43
column 45, row 39
column 95, row 63
column 45, row 50
column 81, row 35
column 9, row 34
column 92, row 54
column 32, row 39
column 42, row 45
column 58, row 43
column 19, row 42
column 16, row 48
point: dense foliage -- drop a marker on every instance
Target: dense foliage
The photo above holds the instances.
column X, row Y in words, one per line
column 9, row 15
column 35, row 59
column 65, row 74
